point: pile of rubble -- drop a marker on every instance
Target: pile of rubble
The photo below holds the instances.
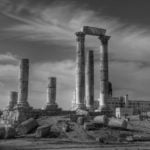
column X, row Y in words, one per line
column 71, row 126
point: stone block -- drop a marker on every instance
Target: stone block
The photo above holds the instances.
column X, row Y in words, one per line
column 117, row 123
column 10, row 132
column 93, row 31
column 81, row 112
column 2, row 132
column 102, row 119
column 43, row 131
column 27, row 126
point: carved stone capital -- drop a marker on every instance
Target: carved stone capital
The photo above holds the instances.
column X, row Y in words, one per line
column 80, row 36
column 104, row 39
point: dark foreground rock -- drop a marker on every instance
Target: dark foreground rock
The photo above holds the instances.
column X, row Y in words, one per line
column 27, row 126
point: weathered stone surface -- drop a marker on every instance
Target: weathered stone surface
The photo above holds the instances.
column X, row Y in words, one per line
column 65, row 127
column 93, row 31
column 80, row 70
column 23, row 83
column 126, row 100
column 74, row 101
column 10, row 132
column 17, row 115
column 2, row 132
column 82, row 112
column 117, row 123
column 22, row 113
column 13, row 100
column 80, row 120
column 27, row 126
column 101, row 119
column 90, row 80
column 104, row 82
column 51, row 95
column 51, row 91
column 43, row 131
column 89, row 126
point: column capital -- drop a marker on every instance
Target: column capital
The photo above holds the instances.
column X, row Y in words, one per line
column 80, row 36
column 104, row 39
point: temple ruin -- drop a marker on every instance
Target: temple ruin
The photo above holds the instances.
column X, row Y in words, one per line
column 81, row 100
column 84, row 101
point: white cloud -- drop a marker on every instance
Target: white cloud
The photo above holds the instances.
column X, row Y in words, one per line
column 8, row 76
column 58, row 23
column 128, row 46
column 6, row 57
column 64, row 71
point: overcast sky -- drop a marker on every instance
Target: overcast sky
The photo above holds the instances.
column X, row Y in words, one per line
column 43, row 31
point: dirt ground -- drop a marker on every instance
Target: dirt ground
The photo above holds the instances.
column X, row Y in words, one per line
column 46, row 144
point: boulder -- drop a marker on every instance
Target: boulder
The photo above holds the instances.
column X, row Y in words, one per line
column 82, row 112
column 89, row 126
column 43, row 131
column 102, row 119
column 73, row 118
column 102, row 139
column 27, row 126
column 117, row 123
column 2, row 132
column 10, row 132
column 66, row 127
column 80, row 120
column 141, row 138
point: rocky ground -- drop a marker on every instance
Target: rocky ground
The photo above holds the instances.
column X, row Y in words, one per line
column 79, row 138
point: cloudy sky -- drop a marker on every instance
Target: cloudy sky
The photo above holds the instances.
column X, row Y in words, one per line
column 43, row 31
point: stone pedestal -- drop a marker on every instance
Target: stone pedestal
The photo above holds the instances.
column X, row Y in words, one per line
column 23, row 83
column 103, row 72
column 90, row 81
column 80, row 71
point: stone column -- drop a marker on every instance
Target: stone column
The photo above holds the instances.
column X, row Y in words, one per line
column 90, row 80
column 103, row 70
column 51, row 94
column 74, row 101
column 13, row 99
column 80, row 71
column 23, row 83
column 126, row 100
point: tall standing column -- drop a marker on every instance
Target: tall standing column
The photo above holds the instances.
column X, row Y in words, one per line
column 80, row 71
column 103, row 71
column 51, row 94
column 90, row 80
column 23, row 83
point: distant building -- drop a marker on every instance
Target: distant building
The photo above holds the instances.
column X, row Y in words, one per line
column 123, row 112
column 138, row 106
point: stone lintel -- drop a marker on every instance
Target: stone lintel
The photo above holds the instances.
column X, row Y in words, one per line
column 93, row 31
